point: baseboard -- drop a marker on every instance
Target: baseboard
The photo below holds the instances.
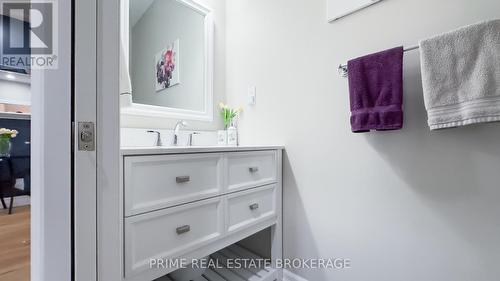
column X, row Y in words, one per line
column 18, row 201
column 290, row 276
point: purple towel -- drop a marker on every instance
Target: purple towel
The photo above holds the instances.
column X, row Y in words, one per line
column 376, row 91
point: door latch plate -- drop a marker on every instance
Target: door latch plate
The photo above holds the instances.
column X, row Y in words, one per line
column 86, row 136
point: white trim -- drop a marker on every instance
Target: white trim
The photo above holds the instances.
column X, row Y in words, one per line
column 84, row 165
column 19, row 201
column 38, row 178
column 207, row 114
column 290, row 276
column 109, row 213
column 14, row 115
column 51, row 161
column 277, row 230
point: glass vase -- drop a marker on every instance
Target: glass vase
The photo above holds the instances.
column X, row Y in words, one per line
column 222, row 137
column 5, row 147
column 232, row 134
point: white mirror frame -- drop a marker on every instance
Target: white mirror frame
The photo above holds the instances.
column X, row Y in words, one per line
column 128, row 107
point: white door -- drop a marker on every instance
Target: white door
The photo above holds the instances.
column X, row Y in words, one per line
column 51, row 161
column 96, row 168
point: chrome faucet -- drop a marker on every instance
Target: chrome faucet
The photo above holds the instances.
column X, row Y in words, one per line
column 177, row 128
column 158, row 137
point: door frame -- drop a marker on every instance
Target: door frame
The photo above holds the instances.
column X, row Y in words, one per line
column 109, row 215
column 51, row 255
column 84, row 162
column 71, row 187
column 97, row 224
column 97, row 174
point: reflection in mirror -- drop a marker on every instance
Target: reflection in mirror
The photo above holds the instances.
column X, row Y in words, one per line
column 15, row 95
column 169, row 58
column 15, row 90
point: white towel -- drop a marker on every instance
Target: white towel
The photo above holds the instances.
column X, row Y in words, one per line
column 461, row 76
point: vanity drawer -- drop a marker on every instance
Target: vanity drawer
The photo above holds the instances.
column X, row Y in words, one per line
column 170, row 233
column 160, row 181
column 251, row 169
column 247, row 208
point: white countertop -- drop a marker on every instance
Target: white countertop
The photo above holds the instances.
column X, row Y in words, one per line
column 194, row 149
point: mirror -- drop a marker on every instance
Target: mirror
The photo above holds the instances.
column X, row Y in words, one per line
column 167, row 59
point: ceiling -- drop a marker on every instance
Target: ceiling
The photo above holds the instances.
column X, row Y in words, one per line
column 137, row 8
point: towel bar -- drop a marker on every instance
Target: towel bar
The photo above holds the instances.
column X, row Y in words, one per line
column 343, row 67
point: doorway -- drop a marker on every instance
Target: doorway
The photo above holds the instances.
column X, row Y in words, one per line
column 15, row 159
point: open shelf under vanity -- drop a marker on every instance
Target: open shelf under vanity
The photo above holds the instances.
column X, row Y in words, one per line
column 224, row 270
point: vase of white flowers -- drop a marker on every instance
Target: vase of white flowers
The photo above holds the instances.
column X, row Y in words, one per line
column 232, row 134
column 5, row 145
column 228, row 114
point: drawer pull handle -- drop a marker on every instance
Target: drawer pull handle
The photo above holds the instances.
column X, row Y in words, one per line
column 253, row 169
column 254, row 207
column 182, row 179
column 183, row 229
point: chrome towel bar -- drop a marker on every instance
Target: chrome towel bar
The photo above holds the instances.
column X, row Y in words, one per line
column 343, row 67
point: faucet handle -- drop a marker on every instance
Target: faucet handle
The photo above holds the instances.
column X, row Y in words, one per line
column 190, row 139
column 158, row 137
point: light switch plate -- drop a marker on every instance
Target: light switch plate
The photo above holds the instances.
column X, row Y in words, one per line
column 252, row 95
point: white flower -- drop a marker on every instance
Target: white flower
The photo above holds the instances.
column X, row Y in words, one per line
column 8, row 132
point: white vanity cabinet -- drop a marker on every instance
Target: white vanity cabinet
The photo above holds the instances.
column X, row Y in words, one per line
column 159, row 181
column 187, row 203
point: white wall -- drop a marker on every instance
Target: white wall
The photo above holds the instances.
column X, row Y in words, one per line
column 218, row 7
column 164, row 22
column 15, row 93
column 404, row 205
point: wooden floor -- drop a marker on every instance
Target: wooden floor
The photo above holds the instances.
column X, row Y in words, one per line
column 15, row 245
